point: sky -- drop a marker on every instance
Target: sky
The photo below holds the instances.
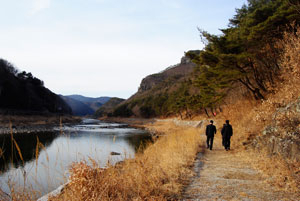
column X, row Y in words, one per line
column 104, row 47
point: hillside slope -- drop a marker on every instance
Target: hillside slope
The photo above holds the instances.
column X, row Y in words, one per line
column 21, row 93
column 107, row 108
column 158, row 93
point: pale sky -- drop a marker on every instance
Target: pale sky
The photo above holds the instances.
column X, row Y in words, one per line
column 104, row 47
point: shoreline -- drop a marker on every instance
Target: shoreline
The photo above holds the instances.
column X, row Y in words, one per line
column 137, row 123
column 143, row 163
column 131, row 122
column 17, row 124
column 154, row 126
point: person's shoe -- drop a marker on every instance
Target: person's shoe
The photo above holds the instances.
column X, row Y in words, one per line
column 210, row 148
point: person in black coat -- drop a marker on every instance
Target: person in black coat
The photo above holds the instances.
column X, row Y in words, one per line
column 210, row 133
column 226, row 135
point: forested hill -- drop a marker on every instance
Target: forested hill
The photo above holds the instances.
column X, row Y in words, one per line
column 22, row 93
column 244, row 58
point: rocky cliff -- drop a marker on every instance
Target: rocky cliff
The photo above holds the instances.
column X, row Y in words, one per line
column 282, row 137
column 158, row 93
column 175, row 72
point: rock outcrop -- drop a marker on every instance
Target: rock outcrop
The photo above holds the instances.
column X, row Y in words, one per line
column 177, row 72
column 282, row 137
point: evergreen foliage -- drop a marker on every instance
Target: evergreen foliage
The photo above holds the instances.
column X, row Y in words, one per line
column 246, row 52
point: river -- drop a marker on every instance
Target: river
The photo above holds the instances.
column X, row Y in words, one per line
column 45, row 167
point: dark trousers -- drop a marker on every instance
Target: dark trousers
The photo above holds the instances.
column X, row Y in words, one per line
column 226, row 142
column 210, row 141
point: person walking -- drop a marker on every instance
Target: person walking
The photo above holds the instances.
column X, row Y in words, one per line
column 210, row 133
column 226, row 132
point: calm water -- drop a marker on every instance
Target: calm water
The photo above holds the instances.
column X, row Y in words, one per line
column 90, row 140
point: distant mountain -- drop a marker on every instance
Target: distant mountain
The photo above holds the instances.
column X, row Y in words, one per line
column 78, row 107
column 82, row 105
column 107, row 108
column 94, row 103
column 102, row 99
column 22, row 93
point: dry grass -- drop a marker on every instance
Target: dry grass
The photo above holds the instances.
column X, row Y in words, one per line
column 157, row 174
column 275, row 169
column 17, row 192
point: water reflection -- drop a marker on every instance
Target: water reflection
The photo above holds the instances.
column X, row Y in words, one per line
column 94, row 140
column 27, row 145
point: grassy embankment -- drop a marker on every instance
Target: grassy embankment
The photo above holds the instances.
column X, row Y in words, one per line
column 157, row 174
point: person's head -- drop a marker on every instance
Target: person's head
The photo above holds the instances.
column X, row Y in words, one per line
column 227, row 121
column 211, row 121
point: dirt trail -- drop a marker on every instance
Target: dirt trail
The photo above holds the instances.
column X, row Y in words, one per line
column 226, row 175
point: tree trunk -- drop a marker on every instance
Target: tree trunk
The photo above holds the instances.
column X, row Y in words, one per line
column 220, row 109
column 256, row 93
column 206, row 112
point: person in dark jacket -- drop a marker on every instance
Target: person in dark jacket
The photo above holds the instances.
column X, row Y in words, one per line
column 226, row 135
column 210, row 133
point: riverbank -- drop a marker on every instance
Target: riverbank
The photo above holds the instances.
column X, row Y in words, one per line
column 132, row 122
column 159, row 173
column 156, row 126
column 45, row 158
column 19, row 124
